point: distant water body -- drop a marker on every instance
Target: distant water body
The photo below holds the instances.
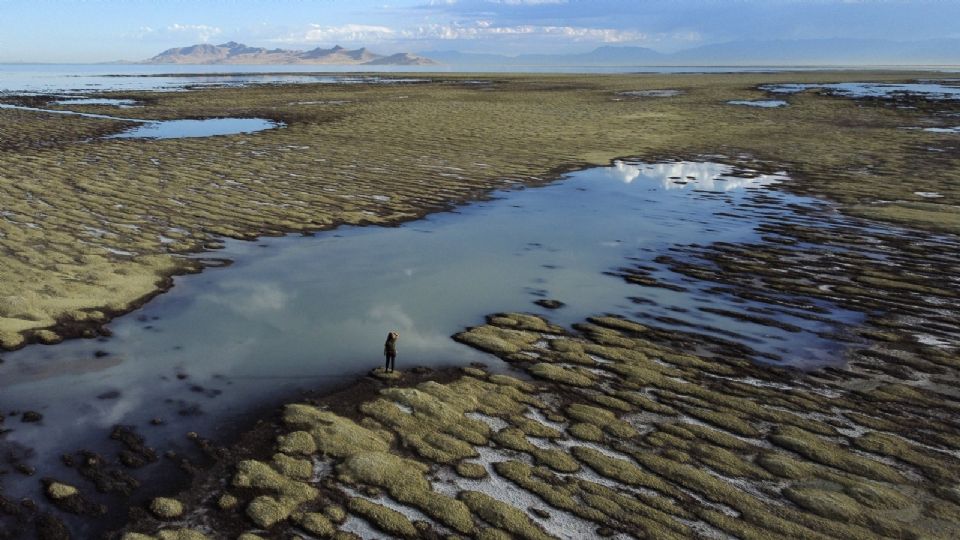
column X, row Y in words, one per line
column 80, row 78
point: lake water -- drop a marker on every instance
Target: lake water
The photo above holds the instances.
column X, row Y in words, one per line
column 80, row 78
column 308, row 312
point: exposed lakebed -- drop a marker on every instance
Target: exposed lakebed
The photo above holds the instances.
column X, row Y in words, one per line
column 310, row 312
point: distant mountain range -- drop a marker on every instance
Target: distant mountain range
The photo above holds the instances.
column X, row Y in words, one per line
column 238, row 53
column 814, row 52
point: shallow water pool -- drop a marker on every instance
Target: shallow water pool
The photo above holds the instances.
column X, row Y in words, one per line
column 119, row 103
column 928, row 90
column 169, row 129
column 184, row 129
column 763, row 103
column 300, row 312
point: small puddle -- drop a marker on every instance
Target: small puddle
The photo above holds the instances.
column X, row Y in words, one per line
column 170, row 129
column 119, row 103
column 928, row 90
column 301, row 312
column 955, row 129
column 764, row 103
column 651, row 93
column 182, row 129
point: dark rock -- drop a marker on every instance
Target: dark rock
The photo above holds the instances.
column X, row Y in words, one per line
column 549, row 303
column 137, row 453
column 190, row 409
column 31, row 416
column 112, row 394
column 100, row 354
column 51, row 528
column 9, row 508
column 106, row 478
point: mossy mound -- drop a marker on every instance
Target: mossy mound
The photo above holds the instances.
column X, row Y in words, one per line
column 404, row 480
column 57, row 491
column 333, row 435
column 387, row 520
column 471, row 470
column 499, row 341
column 381, row 373
column 166, row 508
column 315, row 524
column 284, row 494
column 503, row 516
column 297, row 443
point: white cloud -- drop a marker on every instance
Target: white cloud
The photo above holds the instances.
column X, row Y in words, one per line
column 202, row 32
column 484, row 29
column 347, row 33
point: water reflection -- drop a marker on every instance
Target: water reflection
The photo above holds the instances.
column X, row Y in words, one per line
column 944, row 130
column 119, row 103
column 184, row 129
column 169, row 129
column 928, row 90
column 307, row 312
column 695, row 176
column 762, row 103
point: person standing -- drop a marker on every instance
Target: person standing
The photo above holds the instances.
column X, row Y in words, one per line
column 390, row 350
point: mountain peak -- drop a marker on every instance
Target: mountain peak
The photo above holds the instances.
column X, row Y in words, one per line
column 238, row 53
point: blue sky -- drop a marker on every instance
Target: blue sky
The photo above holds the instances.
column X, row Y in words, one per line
column 103, row 30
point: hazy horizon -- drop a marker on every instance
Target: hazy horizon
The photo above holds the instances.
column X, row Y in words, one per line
column 74, row 31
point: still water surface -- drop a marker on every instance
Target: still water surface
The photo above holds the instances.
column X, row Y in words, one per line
column 301, row 312
column 169, row 129
column 80, row 78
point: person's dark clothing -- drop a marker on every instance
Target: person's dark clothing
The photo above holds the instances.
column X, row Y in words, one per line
column 390, row 352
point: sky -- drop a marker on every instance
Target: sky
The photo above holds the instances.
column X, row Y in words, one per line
column 106, row 30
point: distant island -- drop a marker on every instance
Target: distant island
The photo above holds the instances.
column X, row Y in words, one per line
column 238, row 53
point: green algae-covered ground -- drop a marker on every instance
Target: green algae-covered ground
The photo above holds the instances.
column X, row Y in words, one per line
column 607, row 429
column 610, row 428
column 93, row 227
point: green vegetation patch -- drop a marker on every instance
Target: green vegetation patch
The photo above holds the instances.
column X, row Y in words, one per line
column 386, row 519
